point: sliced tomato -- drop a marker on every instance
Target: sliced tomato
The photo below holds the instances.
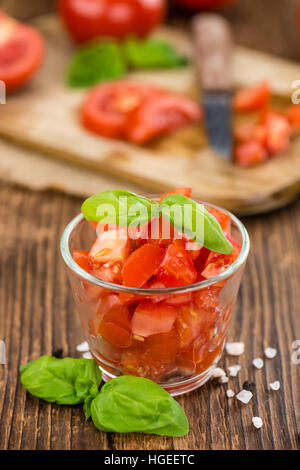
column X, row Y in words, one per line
column 250, row 153
column 177, row 268
column 82, row 259
column 151, row 319
column 112, row 246
column 293, row 115
column 253, row 99
column 278, row 132
column 107, row 107
column 183, row 190
column 222, row 217
column 159, row 115
column 21, row 52
column 217, row 262
column 142, row 264
column 162, row 347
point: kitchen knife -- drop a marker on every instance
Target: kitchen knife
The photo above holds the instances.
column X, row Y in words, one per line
column 213, row 41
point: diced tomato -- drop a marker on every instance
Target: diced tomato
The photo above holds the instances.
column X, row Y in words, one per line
column 179, row 299
column 193, row 248
column 142, row 264
column 115, row 326
column 111, row 246
column 200, row 261
column 278, row 132
column 159, row 297
column 162, row 347
column 248, row 131
column 151, row 319
column 207, row 298
column 253, row 99
column 293, row 115
column 217, row 262
column 250, row 153
column 184, row 191
column 177, row 268
column 109, row 272
column 82, row 259
column 189, row 324
column 158, row 231
column 160, row 115
column 222, row 217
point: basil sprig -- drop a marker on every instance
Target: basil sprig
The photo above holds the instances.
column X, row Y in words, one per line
column 63, row 381
column 135, row 404
column 124, row 209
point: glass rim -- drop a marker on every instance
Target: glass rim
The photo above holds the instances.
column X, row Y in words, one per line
column 76, row 269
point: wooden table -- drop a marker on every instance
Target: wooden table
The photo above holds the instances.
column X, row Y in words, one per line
column 37, row 315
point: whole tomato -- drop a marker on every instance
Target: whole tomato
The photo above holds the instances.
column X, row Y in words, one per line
column 204, row 4
column 86, row 19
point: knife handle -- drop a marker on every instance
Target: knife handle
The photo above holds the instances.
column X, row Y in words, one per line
column 213, row 41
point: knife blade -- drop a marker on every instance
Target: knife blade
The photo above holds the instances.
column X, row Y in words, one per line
column 213, row 41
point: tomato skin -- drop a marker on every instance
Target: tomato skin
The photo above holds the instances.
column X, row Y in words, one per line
column 159, row 115
column 21, row 52
column 217, row 262
column 82, row 259
column 152, row 319
column 187, row 192
column 87, row 19
column 253, row 99
column 111, row 246
column 250, row 153
column 222, row 218
column 204, row 4
column 177, row 268
column 142, row 264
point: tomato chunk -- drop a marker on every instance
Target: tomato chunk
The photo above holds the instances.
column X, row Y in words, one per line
column 115, row 326
column 178, row 268
column 183, row 190
column 252, row 99
column 217, row 262
column 293, row 115
column 142, row 264
column 162, row 347
column 278, row 132
column 111, row 246
column 222, row 217
column 151, row 319
column 250, row 153
column 82, row 259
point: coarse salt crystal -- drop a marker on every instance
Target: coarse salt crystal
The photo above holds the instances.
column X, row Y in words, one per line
column 223, row 380
column 257, row 422
column 234, row 370
column 83, row 347
column 235, row 349
column 258, row 363
column 244, row 396
column 217, row 373
column 87, row 355
column 270, row 353
column 275, row 385
column 230, row 393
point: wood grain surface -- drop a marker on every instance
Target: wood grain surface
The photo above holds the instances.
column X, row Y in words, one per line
column 37, row 315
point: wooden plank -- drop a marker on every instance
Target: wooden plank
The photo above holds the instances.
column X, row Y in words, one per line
column 37, row 315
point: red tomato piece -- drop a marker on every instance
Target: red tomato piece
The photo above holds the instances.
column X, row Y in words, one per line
column 183, row 190
column 253, row 99
column 82, row 259
column 207, row 298
column 250, row 153
column 151, row 319
column 278, row 132
column 177, row 267
column 189, row 324
column 115, row 326
column 217, row 262
column 222, row 217
column 159, row 115
column 179, row 299
column 109, row 272
column 88, row 19
column 162, row 347
column 159, row 232
column 141, row 265
column 107, row 107
column 293, row 115
column 21, row 52
column 112, row 246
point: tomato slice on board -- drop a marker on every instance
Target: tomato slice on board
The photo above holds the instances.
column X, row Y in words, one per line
column 253, row 99
column 293, row 115
column 177, row 268
column 110, row 246
column 142, row 264
column 21, row 52
column 183, row 190
column 159, row 115
column 107, row 107
column 151, row 319
column 250, row 153
column 278, row 132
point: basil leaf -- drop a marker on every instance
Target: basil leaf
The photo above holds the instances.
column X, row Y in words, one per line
column 119, row 207
column 63, row 381
column 151, row 54
column 134, row 404
column 193, row 219
column 95, row 63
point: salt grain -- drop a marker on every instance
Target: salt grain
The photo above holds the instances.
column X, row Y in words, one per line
column 2, row 353
column 270, row 353
column 235, row 349
column 244, row 396
column 275, row 385
column 83, row 347
column 87, row 355
column 234, row 370
column 257, row 422
column 223, row 380
column 217, row 373
column 258, row 363
column 230, row 393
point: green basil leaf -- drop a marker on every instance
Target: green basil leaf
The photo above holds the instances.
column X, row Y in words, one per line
column 135, row 404
column 119, row 207
column 63, row 381
column 193, row 219
column 151, row 54
column 95, row 63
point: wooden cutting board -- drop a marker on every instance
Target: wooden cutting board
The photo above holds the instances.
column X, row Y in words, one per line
column 45, row 116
